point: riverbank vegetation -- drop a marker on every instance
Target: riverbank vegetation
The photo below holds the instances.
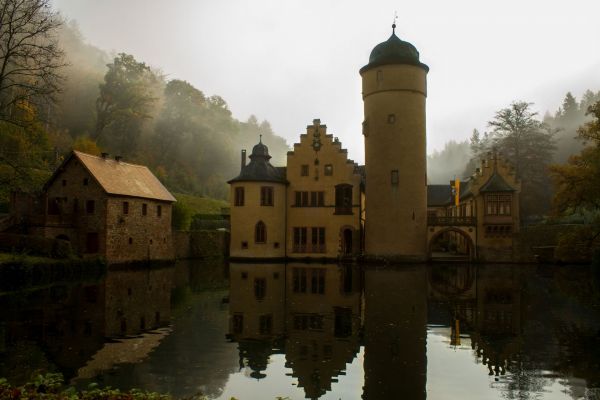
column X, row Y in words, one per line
column 52, row 387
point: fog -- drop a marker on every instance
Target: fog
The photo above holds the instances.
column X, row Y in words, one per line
column 289, row 62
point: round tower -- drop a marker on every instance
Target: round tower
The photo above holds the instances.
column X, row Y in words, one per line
column 257, row 210
column 394, row 89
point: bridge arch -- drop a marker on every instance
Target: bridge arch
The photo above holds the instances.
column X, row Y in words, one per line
column 450, row 243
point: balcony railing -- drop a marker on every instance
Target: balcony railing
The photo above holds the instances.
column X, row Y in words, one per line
column 452, row 221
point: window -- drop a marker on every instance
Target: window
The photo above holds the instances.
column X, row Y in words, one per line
column 53, row 206
column 90, row 206
column 309, row 199
column 498, row 230
column 328, row 170
column 244, row 275
column 299, row 280
column 343, row 199
column 265, row 323
column 238, row 323
column 317, row 280
column 391, row 118
column 342, row 322
column 260, row 288
column 130, row 240
column 144, row 209
column 304, row 170
column 304, row 322
column 239, row 197
column 244, row 245
column 300, row 240
column 260, row 232
column 301, row 199
column 318, row 240
column 394, row 177
column 498, row 204
column 379, row 75
column 85, row 181
column 266, row 196
column 64, row 182
column 159, row 211
column 91, row 242
column 125, row 207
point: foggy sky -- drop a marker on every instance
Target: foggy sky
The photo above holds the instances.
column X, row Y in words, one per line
column 290, row 61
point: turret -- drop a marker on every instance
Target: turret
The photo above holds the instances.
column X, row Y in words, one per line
column 394, row 85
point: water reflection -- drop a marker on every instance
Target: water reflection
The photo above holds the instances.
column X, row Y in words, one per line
column 319, row 331
column 309, row 312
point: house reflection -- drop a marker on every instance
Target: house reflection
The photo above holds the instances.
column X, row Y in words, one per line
column 310, row 312
column 65, row 326
column 483, row 304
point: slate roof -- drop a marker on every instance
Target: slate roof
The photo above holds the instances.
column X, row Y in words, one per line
column 259, row 169
column 496, row 184
column 394, row 51
column 438, row 195
column 120, row 178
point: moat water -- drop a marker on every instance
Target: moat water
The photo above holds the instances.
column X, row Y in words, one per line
column 319, row 331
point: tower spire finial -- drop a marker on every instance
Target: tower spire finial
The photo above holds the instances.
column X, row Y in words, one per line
column 260, row 138
column 394, row 24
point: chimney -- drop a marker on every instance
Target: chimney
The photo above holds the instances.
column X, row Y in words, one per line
column 243, row 158
column 118, row 158
column 104, row 155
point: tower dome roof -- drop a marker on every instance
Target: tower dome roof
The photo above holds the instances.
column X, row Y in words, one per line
column 394, row 51
column 260, row 150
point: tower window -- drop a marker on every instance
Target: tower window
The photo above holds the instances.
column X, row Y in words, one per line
column 260, row 288
column 379, row 76
column 260, row 232
column 395, row 178
column 266, row 196
column 239, row 197
column 304, row 170
column 328, row 170
column 391, row 118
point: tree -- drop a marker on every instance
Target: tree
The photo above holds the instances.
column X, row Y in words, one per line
column 578, row 185
column 30, row 58
column 126, row 98
column 528, row 144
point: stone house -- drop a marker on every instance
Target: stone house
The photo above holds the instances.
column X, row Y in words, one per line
column 107, row 208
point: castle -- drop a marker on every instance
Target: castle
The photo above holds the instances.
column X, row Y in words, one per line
column 323, row 205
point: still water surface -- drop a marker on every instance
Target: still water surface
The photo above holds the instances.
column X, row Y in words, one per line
column 314, row 331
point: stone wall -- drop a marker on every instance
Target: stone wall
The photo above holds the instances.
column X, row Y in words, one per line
column 199, row 244
column 35, row 245
column 536, row 243
column 69, row 193
column 133, row 235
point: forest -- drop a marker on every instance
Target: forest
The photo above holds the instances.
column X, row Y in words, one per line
column 96, row 102
column 58, row 93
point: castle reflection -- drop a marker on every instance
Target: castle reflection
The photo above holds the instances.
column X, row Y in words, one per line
column 319, row 316
column 533, row 328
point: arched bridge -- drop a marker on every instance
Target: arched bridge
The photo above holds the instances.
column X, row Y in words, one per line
column 452, row 238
